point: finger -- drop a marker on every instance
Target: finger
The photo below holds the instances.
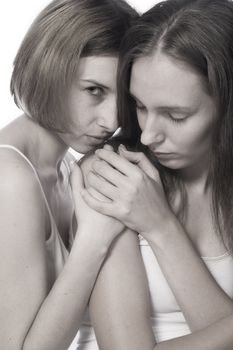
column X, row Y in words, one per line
column 76, row 179
column 86, row 166
column 121, row 164
column 109, row 173
column 101, row 207
column 108, row 147
column 141, row 160
column 98, row 195
column 102, row 186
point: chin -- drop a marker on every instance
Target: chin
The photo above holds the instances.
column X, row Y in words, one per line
column 83, row 149
column 171, row 164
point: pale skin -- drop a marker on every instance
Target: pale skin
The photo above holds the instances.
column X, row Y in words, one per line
column 36, row 313
column 175, row 103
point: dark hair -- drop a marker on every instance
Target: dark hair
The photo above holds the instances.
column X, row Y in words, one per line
column 199, row 33
column 47, row 60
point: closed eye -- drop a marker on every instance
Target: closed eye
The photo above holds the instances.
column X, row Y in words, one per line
column 177, row 118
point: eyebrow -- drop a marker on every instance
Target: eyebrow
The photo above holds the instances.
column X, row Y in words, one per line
column 92, row 81
column 174, row 108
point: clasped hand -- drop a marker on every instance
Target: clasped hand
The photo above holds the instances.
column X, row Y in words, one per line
column 132, row 188
column 94, row 226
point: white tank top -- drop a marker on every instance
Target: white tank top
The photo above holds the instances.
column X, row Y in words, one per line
column 55, row 248
column 166, row 317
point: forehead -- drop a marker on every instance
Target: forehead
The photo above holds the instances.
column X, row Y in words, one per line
column 103, row 69
column 165, row 80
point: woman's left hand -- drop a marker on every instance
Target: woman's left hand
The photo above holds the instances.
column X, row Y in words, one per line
column 134, row 187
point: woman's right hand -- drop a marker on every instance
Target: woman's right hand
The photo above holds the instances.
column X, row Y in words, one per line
column 134, row 186
column 95, row 227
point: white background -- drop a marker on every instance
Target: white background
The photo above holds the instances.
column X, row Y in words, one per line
column 16, row 17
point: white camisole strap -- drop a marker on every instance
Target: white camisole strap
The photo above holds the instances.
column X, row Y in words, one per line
column 13, row 148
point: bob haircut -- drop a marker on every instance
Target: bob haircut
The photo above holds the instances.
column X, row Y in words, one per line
column 47, row 60
column 198, row 33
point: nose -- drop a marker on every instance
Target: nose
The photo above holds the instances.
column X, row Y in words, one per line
column 107, row 116
column 153, row 131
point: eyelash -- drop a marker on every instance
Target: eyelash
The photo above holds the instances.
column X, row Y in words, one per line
column 91, row 90
column 176, row 120
column 172, row 119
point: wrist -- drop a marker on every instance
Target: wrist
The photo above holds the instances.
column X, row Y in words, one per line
column 92, row 243
column 160, row 235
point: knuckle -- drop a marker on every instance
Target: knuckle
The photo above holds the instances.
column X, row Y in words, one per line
column 139, row 176
column 129, row 199
column 133, row 191
column 125, row 210
column 130, row 190
column 98, row 165
column 108, row 147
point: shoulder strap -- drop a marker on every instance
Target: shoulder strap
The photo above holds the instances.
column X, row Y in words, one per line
column 15, row 149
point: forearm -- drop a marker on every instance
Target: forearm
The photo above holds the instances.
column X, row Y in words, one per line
column 120, row 302
column 201, row 299
column 218, row 336
column 60, row 315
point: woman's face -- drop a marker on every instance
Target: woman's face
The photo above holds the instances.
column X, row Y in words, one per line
column 92, row 103
column 174, row 111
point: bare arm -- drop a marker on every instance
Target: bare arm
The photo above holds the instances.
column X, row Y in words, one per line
column 119, row 308
column 201, row 299
column 120, row 302
column 139, row 201
column 31, row 315
column 218, row 336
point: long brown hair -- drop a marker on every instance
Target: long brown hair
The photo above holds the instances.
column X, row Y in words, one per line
column 199, row 33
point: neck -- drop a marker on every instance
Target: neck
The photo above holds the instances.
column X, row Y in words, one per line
column 197, row 175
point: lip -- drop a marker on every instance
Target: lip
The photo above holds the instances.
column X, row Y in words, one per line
column 103, row 137
column 165, row 155
column 95, row 137
column 95, row 140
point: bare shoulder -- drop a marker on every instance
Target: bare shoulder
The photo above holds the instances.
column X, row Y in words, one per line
column 16, row 174
column 9, row 159
column 23, row 259
column 22, row 200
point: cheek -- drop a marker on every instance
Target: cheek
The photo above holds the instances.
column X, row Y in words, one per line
column 196, row 138
column 141, row 120
column 81, row 119
column 80, row 111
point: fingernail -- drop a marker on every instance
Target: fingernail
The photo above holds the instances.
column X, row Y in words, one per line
column 122, row 147
column 108, row 147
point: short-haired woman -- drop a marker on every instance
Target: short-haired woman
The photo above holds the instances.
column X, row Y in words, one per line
column 64, row 80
